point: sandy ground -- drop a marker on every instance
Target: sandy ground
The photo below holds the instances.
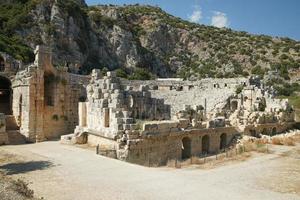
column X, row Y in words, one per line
column 57, row 171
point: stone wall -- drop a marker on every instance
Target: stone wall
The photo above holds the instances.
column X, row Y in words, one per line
column 61, row 107
column 28, row 102
column 113, row 108
column 268, row 129
column 45, row 99
column 213, row 93
column 158, row 150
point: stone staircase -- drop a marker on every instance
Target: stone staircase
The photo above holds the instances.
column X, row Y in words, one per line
column 12, row 130
column 15, row 137
column 11, row 123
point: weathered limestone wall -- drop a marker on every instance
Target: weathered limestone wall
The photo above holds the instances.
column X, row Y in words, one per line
column 268, row 129
column 157, row 150
column 61, row 110
column 28, row 103
column 45, row 99
column 177, row 84
column 113, row 108
column 104, row 143
column 214, row 92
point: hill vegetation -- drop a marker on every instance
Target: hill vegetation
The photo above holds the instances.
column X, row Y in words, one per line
column 143, row 42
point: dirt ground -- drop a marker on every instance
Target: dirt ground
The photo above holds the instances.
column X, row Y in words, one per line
column 56, row 171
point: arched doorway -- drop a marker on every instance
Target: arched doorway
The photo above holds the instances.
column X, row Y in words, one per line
column 186, row 148
column 264, row 131
column 253, row 133
column 205, row 144
column 274, row 131
column 5, row 96
column 223, row 141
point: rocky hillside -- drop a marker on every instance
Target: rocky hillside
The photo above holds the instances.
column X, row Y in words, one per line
column 139, row 41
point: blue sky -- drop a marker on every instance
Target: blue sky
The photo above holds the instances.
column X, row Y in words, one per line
column 270, row 17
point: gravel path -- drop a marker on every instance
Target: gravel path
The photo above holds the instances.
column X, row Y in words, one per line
column 58, row 171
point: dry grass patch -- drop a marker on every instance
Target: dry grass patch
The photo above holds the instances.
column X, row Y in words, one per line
column 22, row 188
column 287, row 141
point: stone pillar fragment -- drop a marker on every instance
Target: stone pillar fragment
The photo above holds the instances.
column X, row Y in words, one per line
column 82, row 111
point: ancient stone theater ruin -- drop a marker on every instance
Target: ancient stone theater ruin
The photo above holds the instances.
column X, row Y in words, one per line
column 143, row 122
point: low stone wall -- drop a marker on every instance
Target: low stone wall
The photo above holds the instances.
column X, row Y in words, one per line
column 104, row 143
column 268, row 129
column 157, row 150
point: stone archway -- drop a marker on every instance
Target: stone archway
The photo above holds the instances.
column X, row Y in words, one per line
column 223, row 141
column 5, row 96
column 186, row 148
column 253, row 133
column 264, row 131
column 205, row 144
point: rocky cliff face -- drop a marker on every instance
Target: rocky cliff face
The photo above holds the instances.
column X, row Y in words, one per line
column 144, row 37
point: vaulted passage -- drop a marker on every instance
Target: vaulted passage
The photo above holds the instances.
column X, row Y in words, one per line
column 5, row 96
column 223, row 141
column 264, row 131
column 274, row 131
column 186, row 148
column 205, row 144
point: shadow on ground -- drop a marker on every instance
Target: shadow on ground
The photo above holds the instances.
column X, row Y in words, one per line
column 24, row 167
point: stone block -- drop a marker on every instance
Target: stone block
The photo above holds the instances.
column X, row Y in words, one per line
column 111, row 74
column 126, row 127
column 128, row 120
column 114, row 86
column 126, row 114
column 128, row 88
column 183, row 123
column 106, row 96
column 150, row 127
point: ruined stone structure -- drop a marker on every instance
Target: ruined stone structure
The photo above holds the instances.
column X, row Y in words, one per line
column 143, row 122
column 40, row 102
column 151, row 122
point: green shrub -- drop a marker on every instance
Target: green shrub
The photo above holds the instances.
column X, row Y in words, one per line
column 239, row 89
column 121, row 72
column 141, row 74
column 258, row 71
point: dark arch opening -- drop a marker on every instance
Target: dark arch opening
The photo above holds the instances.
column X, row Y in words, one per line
column 49, row 89
column 274, row 131
column 5, row 96
column 205, row 144
column 264, row 131
column 234, row 105
column 2, row 65
column 223, row 141
column 253, row 133
column 186, row 148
